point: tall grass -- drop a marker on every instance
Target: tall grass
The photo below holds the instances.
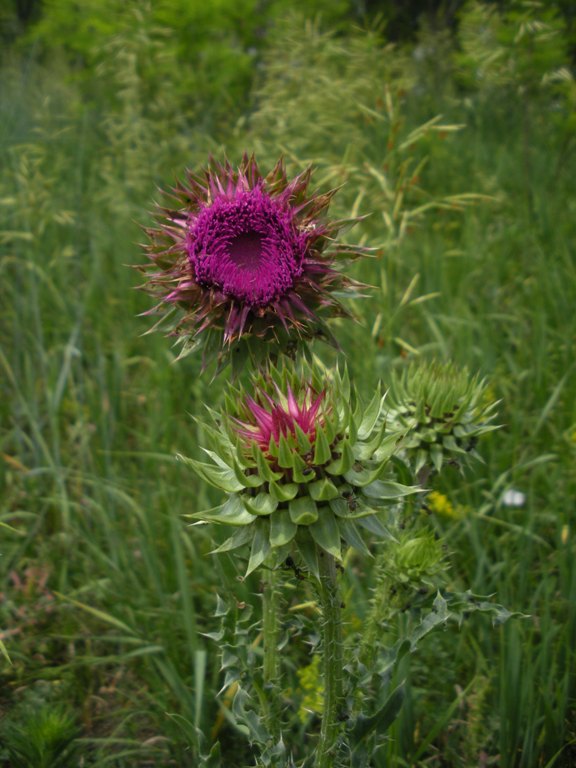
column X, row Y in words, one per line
column 105, row 591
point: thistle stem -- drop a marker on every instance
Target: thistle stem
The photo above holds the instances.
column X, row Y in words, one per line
column 332, row 661
column 271, row 665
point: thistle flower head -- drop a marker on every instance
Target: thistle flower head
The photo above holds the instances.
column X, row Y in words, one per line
column 302, row 463
column 442, row 410
column 245, row 259
column 281, row 417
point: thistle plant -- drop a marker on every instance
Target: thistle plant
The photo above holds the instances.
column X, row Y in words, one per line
column 307, row 473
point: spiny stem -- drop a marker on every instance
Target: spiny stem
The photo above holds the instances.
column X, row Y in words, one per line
column 332, row 661
column 271, row 667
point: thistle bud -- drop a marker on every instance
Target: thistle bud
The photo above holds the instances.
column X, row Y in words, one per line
column 442, row 411
column 303, row 465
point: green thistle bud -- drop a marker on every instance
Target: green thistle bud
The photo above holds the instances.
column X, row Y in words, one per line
column 442, row 411
column 302, row 462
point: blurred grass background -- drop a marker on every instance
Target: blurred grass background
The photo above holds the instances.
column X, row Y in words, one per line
column 452, row 125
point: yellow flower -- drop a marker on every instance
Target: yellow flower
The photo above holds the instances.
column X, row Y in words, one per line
column 441, row 505
column 312, row 688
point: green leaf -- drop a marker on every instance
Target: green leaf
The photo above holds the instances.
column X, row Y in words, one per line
column 381, row 720
column 260, row 545
column 262, row 504
column 326, row 533
column 322, row 452
column 303, row 511
column 224, row 479
column 323, row 490
column 282, row 529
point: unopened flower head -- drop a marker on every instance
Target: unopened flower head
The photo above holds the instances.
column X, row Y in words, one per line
column 442, row 410
column 281, row 417
column 246, row 257
column 303, row 463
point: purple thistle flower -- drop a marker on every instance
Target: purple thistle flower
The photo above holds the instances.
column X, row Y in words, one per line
column 245, row 256
column 281, row 418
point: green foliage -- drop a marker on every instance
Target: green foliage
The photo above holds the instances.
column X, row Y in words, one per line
column 91, row 413
column 42, row 737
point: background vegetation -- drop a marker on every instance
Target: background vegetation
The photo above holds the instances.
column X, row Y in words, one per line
column 105, row 592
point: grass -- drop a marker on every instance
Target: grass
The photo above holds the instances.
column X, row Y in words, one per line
column 105, row 591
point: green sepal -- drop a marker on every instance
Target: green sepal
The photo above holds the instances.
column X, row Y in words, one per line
column 248, row 480
column 326, row 533
column 301, row 472
column 370, row 416
column 223, row 479
column 260, row 545
column 352, row 537
column 304, row 444
column 308, row 550
column 344, row 462
column 303, row 511
column 241, row 536
column 343, row 509
column 282, row 529
column 387, row 446
column 232, row 512
column 283, row 491
column 286, row 453
column 261, row 504
column 264, row 468
column 364, row 475
column 373, row 524
column 323, row 490
column 387, row 489
column 322, row 452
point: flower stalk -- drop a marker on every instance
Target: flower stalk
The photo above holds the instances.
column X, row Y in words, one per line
column 332, row 660
column 271, row 664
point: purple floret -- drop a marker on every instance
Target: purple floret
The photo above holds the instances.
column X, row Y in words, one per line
column 247, row 246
